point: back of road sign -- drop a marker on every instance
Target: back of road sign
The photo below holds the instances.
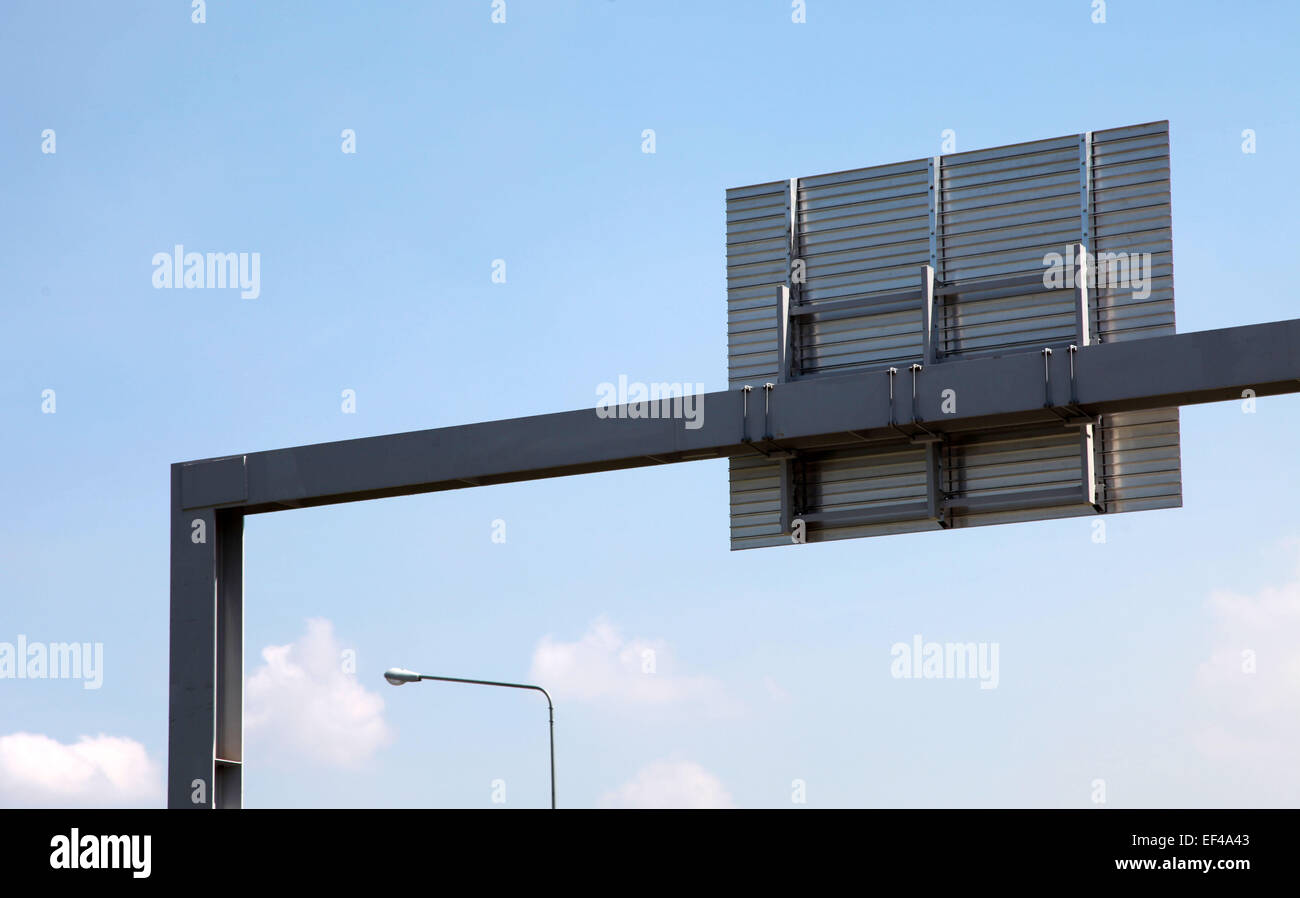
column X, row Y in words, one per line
column 825, row 276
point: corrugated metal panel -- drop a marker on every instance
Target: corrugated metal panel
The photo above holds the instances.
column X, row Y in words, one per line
column 1001, row 211
column 873, row 480
column 863, row 235
column 755, row 503
column 758, row 263
column 1140, row 460
column 758, row 237
column 1142, row 467
column 1131, row 213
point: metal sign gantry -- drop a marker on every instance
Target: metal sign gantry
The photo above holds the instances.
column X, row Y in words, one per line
column 898, row 361
column 211, row 497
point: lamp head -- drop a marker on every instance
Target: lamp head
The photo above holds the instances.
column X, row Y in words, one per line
column 398, row 676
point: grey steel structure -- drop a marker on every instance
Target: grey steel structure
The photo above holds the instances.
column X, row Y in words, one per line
column 905, row 266
column 876, row 405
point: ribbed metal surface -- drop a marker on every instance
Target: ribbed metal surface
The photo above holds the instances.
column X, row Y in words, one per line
column 1131, row 213
column 758, row 234
column 874, row 480
column 861, row 234
column 755, row 503
column 997, row 464
column 997, row 213
column 1141, row 466
column 1001, row 211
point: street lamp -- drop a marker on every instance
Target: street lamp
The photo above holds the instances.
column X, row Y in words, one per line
column 398, row 676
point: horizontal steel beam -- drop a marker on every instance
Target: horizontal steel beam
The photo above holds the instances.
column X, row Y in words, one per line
column 908, row 511
column 210, row 497
column 899, row 301
column 1052, row 498
column 1181, row 369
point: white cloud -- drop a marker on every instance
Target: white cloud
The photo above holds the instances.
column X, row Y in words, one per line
column 100, row 771
column 1267, row 626
column 1251, row 724
column 301, row 704
column 670, row 784
column 775, row 690
column 604, row 667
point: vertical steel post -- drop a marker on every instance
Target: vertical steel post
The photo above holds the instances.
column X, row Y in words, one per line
column 1083, row 336
column 228, row 772
column 935, row 179
column 783, row 328
column 934, row 483
column 550, row 711
column 205, row 749
column 927, row 315
column 792, row 292
column 933, row 456
column 787, row 295
column 1088, row 436
column 1082, row 313
column 191, row 725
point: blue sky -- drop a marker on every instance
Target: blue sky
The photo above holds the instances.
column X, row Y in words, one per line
column 522, row 141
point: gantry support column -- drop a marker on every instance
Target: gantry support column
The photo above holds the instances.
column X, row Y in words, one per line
column 206, row 680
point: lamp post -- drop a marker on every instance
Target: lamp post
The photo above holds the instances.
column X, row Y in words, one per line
column 400, row 677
